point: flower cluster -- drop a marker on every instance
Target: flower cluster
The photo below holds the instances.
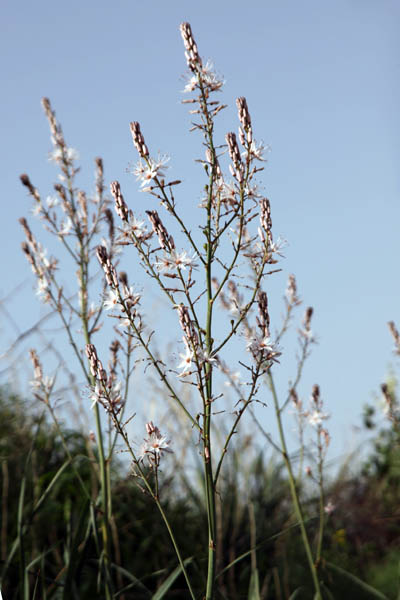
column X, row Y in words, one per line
column 41, row 385
column 41, row 266
column 106, row 390
column 315, row 416
column 151, row 169
column 154, row 446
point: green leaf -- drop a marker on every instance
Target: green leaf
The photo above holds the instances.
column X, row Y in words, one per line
column 50, row 486
column 258, row 546
column 134, row 581
column 76, row 551
column 254, row 587
column 356, row 581
column 164, row 587
column 296, row 593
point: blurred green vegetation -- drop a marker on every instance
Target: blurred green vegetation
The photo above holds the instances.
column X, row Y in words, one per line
column 48, row 543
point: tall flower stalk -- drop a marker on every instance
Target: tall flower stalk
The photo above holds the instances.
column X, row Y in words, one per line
column 222, row 270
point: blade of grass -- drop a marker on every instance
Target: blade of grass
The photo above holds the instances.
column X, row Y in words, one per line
column 134, row 581
column 165, row 586
column 356, row 581
column 254, row 587
column 296, row 593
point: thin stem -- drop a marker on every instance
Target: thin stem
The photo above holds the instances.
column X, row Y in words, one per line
column 294, row 491
column 321, row 501
column 154, row 496
column 103, row 464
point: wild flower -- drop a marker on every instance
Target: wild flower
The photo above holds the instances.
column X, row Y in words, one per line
column 112, row 300
column 154, row 447
column 146, row 171
column 316, row 417
column 59, row 154
column 66, row 227
column 329, row 508
column 175, row 260
column 186, row 363
column 263, row 347
column 256, row 150
column 96, row 394
column 52, row 201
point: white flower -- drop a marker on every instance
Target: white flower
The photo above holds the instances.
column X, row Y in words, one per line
column 316, row 417
column 124, row 323
column 186, row 362
column 235, row 309
column 191, row 84
column 112, row 301
column 260, row 345
column 136, row 227
column 43, row 289
column 257, row 150
column 278, row 245
column 69, row 154
column 65, row 227
column 44, row 384
column 154, row 446
column 96, row 394
column 72, row 154
column 145, row 172
column 51, row 201
column 210, row 77
column 263, row 348
column 37, row 209
column 205, row 357
column 329, row 508
column 112, row 248
column 175, row 260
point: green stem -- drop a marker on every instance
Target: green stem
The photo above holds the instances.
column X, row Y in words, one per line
column 104, row 479
column 124, row 436
column 294, row 492
column 321, row 502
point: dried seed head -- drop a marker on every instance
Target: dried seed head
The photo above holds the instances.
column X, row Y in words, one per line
column 192, row 56
column 110, row 221
column 166, row 241
column 84, row 209
column 55, row 128
column 307, row 318
column 315, row 394
column 233, row 150
column 245, row 120
column 99, row 164
column 396, row 336
column 263, row 320
column 123, row 278
column 187, row 326
column 99, row 178
column 108, row 267
column 291, row 291
column 91, row 354
column 265, row 218
column 138, row 139
column 31, row 259
column 114, row 347
column 37, row 367
column 294, row 397
column 120, row 204
column 27, row 183
column 150, row 428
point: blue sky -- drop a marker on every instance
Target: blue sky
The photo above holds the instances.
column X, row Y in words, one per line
column 322, row 83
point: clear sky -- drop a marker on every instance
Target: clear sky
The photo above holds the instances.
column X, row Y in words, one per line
column 322, row 83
